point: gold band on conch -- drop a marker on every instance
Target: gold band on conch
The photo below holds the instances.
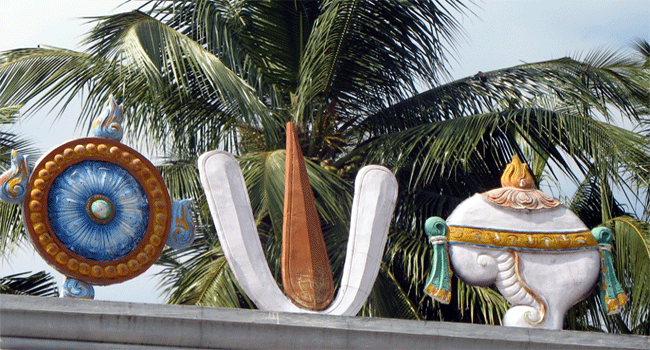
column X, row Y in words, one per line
column 522, row 240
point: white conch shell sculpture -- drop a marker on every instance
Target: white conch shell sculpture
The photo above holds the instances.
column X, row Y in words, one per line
column 539, row 254
column 374, row 200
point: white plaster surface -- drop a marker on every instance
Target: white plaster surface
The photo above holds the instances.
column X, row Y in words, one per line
column 561, row 279
column 479, row 212
column 549, row 282
column 372, row 209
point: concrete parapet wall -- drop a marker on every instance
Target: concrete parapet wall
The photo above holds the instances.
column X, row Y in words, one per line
column 52, row 323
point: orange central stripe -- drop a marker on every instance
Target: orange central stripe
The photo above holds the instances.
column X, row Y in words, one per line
column 306, row 271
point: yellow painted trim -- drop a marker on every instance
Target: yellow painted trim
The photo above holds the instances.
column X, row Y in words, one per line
column 440, row 295
column 524, row 240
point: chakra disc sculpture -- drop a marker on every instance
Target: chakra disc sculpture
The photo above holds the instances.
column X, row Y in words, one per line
column 97, row 210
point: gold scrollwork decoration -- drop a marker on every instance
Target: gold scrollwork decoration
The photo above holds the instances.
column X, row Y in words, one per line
column 523, row 240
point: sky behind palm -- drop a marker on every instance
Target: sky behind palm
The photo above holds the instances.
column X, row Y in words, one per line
column 499, row 34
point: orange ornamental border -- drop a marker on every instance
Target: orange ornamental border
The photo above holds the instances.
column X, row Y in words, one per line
column 71, row 264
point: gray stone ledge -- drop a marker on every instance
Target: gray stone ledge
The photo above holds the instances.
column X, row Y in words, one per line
column 53, row 323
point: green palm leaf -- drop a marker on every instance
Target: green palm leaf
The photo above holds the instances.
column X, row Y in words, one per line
column 609, row 77
column 203, row 279
column 37, row 284
column 439, row 148
column 389, row 299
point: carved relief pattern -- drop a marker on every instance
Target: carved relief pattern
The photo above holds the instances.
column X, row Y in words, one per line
column 521, row 199
column 310, row 287
column 73, row 288
column 13, row 181
column 522, row 240
column 89, row 184
column 518, row 189
column 183, row 229
column 109, row 125
column 514, row 288
column 44, row 218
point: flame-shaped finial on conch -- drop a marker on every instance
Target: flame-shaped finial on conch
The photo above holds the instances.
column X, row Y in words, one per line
column 13, row 182
column 517, row 175
column 518, row 189
column 109, row 124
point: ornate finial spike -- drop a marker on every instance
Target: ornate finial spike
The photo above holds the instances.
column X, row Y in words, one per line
column 183, row 230
column 517, row 175
column 73, row 288
column 306, row 271
column 13, row 182
column 109, row 125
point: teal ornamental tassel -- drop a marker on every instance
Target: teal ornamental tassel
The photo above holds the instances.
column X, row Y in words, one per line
column 612, row 295
column 438, row 285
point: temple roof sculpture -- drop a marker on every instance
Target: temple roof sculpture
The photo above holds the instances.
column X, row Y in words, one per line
column 539, row 254
column 306, row 274
column 95, row 209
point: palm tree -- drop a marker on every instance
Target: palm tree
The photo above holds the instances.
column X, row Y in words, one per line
column 199, row 75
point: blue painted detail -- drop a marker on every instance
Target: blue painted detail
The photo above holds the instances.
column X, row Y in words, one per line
column 73, row 288
column 109, row 124
column 69, row 198
column 13, row 182
column 183, row 230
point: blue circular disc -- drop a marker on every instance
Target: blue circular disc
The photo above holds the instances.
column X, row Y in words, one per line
column 91, row 187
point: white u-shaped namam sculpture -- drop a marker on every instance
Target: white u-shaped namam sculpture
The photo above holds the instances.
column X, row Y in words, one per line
column 374, row 201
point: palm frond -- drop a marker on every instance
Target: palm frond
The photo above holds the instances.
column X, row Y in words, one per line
column 593, row 205
column 25, row 74
column 25, row 283
column 642, row 47
column 361, row 55
column 167, row 57
column 11, row 223
column 12, row 233
column 482, row 305
column 8, row 114
column 483, row 144
column 204, row 279
column 603, row 77
column 632, row 262
column 389, row 299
